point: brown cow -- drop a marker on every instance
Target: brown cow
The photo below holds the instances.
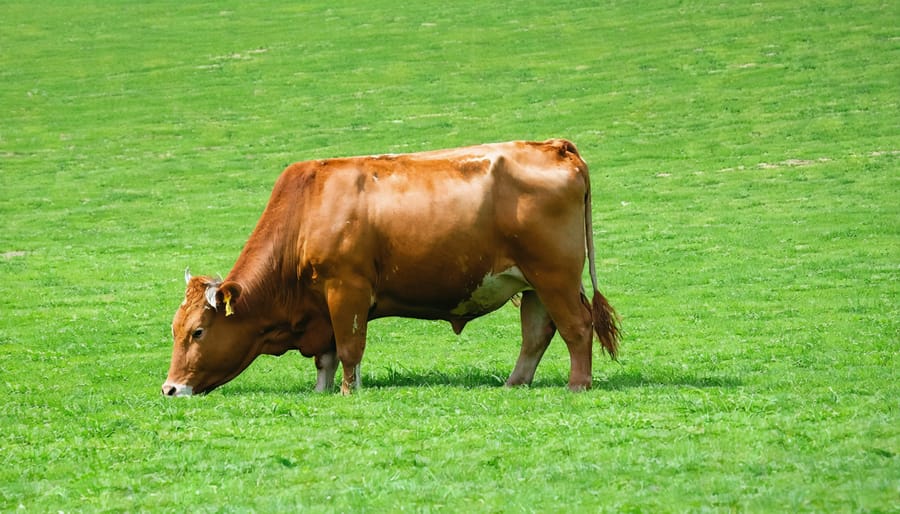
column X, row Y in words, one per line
column 449, row 234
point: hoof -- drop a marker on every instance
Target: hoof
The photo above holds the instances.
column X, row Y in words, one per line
column 516, row 383
column 579, row 387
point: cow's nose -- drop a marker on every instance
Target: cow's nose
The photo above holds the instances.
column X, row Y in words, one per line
column 175, row 389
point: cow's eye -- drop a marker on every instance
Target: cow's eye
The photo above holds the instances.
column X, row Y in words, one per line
column 197, row 333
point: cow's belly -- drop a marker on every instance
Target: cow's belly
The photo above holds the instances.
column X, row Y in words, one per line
column 494, row 290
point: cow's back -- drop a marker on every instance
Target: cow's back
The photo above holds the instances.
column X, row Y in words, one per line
column 442, row 191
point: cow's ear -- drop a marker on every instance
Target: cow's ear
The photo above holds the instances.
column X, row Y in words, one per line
column 210, row 295
column 229, row 292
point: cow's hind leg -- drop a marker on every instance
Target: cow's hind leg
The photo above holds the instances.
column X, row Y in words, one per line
column 537, row 331
column 571, row 313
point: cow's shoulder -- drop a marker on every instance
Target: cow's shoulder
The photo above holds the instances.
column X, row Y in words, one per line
column 299, row 176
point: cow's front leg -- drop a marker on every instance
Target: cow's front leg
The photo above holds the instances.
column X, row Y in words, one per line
column 326, row 366
column 348, row 304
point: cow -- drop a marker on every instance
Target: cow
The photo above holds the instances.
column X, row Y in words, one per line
column 442, row 235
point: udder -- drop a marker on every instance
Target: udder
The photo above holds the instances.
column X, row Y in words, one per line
column 494, row 291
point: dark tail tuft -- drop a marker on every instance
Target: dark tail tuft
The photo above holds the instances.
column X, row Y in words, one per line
column 606, row 324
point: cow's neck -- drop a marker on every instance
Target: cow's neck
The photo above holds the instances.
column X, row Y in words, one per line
column 267, row 270
column 267, row 310
column 267, row 273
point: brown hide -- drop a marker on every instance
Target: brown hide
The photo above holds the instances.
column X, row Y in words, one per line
column 449, row 234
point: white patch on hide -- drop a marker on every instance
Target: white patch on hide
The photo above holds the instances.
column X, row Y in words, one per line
column 493, row 292
column 355, row 323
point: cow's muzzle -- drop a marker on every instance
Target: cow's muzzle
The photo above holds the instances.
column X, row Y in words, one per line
column 170, row 389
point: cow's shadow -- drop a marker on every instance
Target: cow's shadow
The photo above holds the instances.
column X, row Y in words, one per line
column 405, row 377
column 480, row 377
column 474, row 377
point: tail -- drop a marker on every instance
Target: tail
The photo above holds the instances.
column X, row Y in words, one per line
column 605, row 319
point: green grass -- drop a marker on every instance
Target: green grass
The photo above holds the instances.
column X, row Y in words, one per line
column 744, row 159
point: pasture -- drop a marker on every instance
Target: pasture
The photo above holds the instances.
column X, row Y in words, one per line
column 745, row 160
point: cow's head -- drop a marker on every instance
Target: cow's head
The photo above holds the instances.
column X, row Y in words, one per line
column 212, row 344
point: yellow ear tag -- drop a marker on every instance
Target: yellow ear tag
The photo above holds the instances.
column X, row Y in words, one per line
column 227, row 297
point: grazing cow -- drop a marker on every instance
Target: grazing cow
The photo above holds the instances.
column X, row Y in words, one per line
column 448, row 234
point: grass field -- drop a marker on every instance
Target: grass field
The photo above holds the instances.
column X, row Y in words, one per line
column 745, row 160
